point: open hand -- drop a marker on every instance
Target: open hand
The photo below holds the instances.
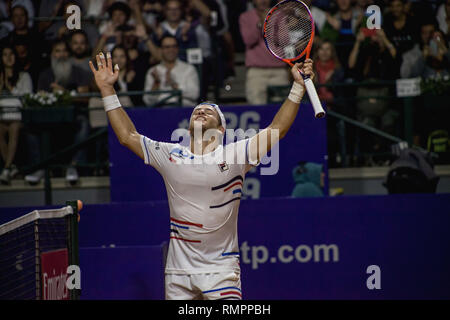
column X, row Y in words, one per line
column 105, row 77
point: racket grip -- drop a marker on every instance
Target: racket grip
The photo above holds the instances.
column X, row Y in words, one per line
column 314, row 98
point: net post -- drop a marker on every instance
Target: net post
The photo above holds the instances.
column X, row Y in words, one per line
column 37, row 259
column 73, row 243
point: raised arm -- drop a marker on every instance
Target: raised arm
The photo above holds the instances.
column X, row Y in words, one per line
column 353, row 58
column 262, row 142
column 122, row 125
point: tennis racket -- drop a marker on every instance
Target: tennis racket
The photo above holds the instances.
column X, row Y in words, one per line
column 289, row 33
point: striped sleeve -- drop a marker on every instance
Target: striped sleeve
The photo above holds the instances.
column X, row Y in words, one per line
column 156, row 154
column 145, row 145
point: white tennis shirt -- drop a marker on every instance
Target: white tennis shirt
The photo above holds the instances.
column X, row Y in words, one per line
column 204, row 193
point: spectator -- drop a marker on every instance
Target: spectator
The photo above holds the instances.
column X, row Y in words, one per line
column 139, row 59
column 172, row 74
column 345, row 22
column 308, row 178
column 96, row 8
column 400, row 29
column 217, row 46
column 62, row 74
column 373, row 59
column 152, row 11
column 320, row 17
column 27, row 42
column 19, row 23
column 361, row 5
column 443, row 17
column 14, row 82
column 79, row 49
column 58, row 29
column 328, row 69
column 201, row 15
column 175, row 26
column 131, row 39
column 263, row 69
column 126, row 82
column 119, row 13
column 372, row 56
column 5, row 23
column 6, row 8
column 428, row 59
column 51, row 8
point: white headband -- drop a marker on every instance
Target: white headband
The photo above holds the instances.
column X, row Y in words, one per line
column 215, row 106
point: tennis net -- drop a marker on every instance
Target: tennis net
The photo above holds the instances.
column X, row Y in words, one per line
column 24, row 241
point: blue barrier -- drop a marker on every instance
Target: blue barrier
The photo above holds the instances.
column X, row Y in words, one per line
column 122, row 273
column 290, row 248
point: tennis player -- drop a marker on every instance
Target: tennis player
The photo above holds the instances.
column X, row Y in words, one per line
column 204, row 186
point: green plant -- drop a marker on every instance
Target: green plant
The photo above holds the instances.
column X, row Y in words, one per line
column 435, row 86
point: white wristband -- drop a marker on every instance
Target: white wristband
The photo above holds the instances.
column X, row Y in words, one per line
column 296, row 93
column 111, row 102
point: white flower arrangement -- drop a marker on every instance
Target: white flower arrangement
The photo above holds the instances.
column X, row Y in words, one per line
column 47, row 99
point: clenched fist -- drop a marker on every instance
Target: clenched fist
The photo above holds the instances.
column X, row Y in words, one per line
column 303, row 67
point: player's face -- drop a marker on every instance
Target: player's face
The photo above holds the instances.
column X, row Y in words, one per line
column 207, row 116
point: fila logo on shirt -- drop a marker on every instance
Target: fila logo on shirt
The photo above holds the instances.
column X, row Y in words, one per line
column 223, row 166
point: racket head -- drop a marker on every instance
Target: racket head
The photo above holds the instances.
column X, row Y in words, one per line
column 289, row 30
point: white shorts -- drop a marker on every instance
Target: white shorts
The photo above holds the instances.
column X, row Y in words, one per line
column 203, row 286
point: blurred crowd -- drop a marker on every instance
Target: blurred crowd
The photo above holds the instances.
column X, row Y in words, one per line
column 189, row 46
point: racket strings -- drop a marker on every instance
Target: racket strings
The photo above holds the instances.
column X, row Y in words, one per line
column 288, row 30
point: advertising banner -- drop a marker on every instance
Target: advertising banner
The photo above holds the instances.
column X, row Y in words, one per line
column 54, row 275
column 378, row 247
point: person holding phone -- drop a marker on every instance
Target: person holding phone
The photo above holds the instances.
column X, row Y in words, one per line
column 428, row 59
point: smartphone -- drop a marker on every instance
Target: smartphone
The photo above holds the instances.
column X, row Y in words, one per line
column 433, row 47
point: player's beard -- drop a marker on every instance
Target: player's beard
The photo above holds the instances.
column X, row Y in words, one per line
column 62, row 69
